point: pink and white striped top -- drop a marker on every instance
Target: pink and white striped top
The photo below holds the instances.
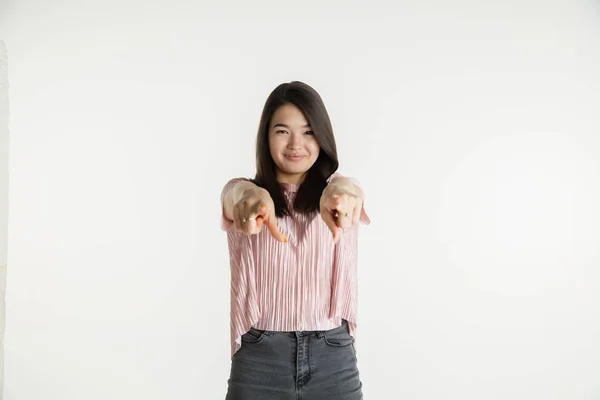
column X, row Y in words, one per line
column 308, row 283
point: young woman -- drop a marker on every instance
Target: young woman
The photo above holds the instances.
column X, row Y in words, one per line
column 292, row 233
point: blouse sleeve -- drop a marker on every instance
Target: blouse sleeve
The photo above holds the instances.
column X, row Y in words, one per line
column 227, row 224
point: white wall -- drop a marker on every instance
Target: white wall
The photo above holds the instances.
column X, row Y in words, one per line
column 3, row 193
column 473, row 127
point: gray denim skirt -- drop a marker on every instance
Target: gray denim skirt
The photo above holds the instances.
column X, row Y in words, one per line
column 307, row 365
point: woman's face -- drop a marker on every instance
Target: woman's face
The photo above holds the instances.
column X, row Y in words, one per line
column 292, row 143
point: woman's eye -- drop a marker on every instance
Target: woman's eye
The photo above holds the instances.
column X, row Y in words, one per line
column 280, row 131
column 309, row 133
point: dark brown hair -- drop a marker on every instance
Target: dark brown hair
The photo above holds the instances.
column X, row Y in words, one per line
column 310, row 103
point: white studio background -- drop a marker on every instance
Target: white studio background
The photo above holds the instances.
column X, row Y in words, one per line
column 3, row 194
column 474, row 128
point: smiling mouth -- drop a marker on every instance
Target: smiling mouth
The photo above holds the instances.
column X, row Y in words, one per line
column 294, row 157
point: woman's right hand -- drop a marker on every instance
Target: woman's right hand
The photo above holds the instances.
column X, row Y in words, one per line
column 253, row 208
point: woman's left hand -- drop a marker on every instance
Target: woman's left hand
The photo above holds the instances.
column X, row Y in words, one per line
column 341, row 205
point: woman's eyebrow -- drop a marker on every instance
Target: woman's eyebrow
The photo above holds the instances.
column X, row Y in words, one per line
column 285, row 126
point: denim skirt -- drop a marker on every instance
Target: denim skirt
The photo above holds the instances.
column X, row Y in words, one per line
column 305, row 365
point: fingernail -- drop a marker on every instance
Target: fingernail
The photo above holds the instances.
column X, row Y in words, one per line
column 263, row 207
column 284, row 238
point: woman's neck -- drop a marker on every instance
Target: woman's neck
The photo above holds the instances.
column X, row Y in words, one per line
column 295, row 179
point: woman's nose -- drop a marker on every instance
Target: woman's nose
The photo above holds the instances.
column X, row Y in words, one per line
column 295, row 141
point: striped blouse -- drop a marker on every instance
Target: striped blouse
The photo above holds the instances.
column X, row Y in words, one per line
column 308, row 283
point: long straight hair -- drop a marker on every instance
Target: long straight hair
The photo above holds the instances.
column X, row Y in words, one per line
column 310, row 103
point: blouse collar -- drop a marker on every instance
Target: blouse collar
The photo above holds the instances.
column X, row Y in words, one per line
column 289, row 187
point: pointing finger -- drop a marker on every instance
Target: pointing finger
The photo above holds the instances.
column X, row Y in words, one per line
column 270, row 220
column 331, row 222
